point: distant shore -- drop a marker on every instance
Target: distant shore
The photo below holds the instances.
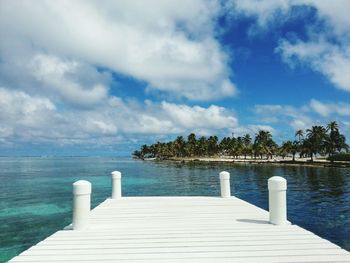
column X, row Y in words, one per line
column 319, row 162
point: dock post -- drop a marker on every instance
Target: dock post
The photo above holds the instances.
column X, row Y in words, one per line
column 81, row 204
column 116, row 185
column 278, row 200
column 225, row 184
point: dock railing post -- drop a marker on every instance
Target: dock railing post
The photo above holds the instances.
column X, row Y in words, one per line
column 278, row 200
column 81, row 204
column 225, row 184
column 116, row 185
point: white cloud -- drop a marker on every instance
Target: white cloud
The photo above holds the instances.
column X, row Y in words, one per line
column 329, row 59
column 252, row 129
column 56, row 59
column 62, row 80
column 64, row 54
column 267, row 12
column 264, row 11
column 28, row 118
column 54, row 74
column 336, row 12
column 314, row 113
column 327, row 109
column 268, row 109
column 189, row 117
column 294, row 117
column 256, row 128
column 301, row 124
column 170, row 45
column 20, row 112
column 325, row 50
column 320, row 108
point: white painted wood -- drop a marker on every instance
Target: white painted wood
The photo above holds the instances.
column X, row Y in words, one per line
column 183, row 229
column 225, row 184
column 81, row 204
column 278, row 200
column 116, row 185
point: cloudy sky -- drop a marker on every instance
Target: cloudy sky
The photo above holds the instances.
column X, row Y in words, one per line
column 103, row 77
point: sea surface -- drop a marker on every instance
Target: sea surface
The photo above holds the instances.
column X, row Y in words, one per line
column 36, row 192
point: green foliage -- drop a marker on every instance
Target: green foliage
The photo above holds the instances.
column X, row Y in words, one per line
column 317, row 140
column 341, row 157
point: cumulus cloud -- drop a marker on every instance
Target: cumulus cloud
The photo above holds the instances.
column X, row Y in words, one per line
column 296, row 118
column 264, row 11
column 170, row 45
column 328, row 109
column 335, row 12
column 58, row 59
column 188, row 117
column 268, row 11
column 20, row 112
column 34, row 118
column 54, row 74
column 63, row 80
column 325, row 50
column 268, row 109
column 331, row 60
column 305, row 116
column 254, row 129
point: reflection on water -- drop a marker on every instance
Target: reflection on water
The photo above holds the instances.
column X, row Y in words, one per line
column 35, row 193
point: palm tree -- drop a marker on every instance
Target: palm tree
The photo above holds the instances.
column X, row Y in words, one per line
column 201, row 147
column 232, row 150
column 318, row 140
column 212, row 145
column 258, row 150
column 137, row 154
column 191, row 144
column 286, row 148
column 267, row 146
column 332, row 126
column 332, row 138
column 295, row 149
column 315, row 140
column 334, row 141
column 247, row 145
column 145, row 150
column 300, row 134
column 239, row 147
column 169, row 149
column 225, row 146
column 179, row 144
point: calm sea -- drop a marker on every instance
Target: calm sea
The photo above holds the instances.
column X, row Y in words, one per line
column 36, row 198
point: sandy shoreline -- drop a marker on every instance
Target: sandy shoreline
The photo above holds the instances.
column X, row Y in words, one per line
column 320, row 162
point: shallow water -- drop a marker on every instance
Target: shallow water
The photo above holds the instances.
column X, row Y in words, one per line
column 36, row 198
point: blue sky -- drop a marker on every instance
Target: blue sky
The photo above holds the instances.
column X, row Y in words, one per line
column 104, row 77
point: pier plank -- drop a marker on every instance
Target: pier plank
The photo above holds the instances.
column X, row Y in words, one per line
column 183, row 229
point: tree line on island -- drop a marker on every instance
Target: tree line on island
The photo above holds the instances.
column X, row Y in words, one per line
column 316, row 140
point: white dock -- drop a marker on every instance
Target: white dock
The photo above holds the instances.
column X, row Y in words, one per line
column 183, row 229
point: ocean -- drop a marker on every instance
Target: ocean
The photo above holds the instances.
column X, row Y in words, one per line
column 36, row 192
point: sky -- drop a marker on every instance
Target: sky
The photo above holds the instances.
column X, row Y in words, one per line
column 104, row 77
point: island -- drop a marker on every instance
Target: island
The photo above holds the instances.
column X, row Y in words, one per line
column 319, row 145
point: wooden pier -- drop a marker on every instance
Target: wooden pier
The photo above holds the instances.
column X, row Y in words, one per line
column 182, row 229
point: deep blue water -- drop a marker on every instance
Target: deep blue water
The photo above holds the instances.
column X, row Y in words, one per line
column 36, row 198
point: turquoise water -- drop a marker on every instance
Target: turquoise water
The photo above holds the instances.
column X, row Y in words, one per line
column 35, row 193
